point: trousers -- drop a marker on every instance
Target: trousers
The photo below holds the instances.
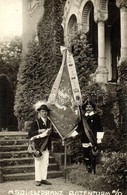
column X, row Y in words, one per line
column 41, row 166
column 89, row 159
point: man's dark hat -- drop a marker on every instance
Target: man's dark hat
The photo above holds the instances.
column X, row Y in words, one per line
column 43, row 107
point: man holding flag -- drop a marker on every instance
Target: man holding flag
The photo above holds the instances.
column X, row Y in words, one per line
column 41, row 133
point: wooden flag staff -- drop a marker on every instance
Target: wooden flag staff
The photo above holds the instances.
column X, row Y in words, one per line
column 65, row 158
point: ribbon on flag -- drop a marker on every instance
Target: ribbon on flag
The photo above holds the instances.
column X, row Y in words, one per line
column 65, row 97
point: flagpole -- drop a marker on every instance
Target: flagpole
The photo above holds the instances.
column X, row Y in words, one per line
column 65, row 159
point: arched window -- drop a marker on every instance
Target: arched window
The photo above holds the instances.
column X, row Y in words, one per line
column 72, row 26
column 89, row 26
column 86, row 16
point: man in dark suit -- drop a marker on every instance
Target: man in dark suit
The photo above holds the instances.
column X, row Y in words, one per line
column 94, row 123
column 41, row 132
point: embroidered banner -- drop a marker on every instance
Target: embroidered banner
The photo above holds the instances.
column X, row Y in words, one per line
column 65, row 97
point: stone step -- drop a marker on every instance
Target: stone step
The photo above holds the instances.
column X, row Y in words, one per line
column 30, row 176
column 12, row 145
column 13, row 148
column 15, row 161
column 14, row 135
column 20, row 161
column 14, row 154
column 13, row 142
column 26, row 168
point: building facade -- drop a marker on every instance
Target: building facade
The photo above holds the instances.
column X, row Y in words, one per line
column 104, row 22
column 32, row 11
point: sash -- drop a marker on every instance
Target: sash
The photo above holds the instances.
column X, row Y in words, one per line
column 88, row 131
column 43, row 136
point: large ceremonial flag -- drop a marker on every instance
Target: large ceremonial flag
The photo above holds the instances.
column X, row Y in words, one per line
column 65, row 97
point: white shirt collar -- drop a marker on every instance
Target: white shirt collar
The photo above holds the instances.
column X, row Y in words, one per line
column 44, row 120
column 89, row 114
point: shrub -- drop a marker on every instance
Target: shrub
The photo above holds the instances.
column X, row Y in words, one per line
column 115, row 141
column 75, row 149
column 110, row 177
column 115, row 171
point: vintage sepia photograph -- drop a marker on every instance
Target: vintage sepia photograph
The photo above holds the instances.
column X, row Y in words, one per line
column 63, row 97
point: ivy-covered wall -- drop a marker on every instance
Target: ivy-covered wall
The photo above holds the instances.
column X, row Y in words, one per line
column 42, row 62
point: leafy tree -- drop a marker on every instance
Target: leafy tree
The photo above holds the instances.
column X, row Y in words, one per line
column 10, row 57
column 29, row 82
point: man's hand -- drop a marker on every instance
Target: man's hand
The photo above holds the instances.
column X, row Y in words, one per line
column 49, row 131
column 74, row 134
column 32, row 138
column 42, row 130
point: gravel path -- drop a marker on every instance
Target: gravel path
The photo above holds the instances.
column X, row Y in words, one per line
column 58, row 187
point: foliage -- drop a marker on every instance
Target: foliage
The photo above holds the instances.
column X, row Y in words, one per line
column 42, row 62
column 75, row 149
column 10, row 57
column 115, row 141
column 110, row 176
column 28, row 83
column 7, row 118
column 123, row 73
column 122, row 93
column 115, row 171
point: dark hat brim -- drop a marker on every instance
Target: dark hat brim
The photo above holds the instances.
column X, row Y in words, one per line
column 43, row 107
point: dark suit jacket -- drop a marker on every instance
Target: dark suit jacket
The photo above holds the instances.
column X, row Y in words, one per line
column 34, row 131
column 94, row 123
